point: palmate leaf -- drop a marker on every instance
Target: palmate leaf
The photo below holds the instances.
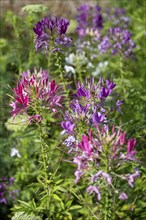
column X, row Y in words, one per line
column 19, row 123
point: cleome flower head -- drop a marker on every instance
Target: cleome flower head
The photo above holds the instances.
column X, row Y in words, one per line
column 34, row 92
column 101, row 156
column 51, row 34
column 117, row 40
column 89, row 105
column 89, row 20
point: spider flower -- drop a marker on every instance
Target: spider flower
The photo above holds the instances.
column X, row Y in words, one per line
column 88, row 106
column 51, row 34
column 89, row 20
column 118, row 40
column 34, row 92
column 99, row 156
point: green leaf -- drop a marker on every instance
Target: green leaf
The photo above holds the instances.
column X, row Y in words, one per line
column 19, row 123
column 75, row 207
column 56, row 197
column 68, row 204
column 25, row 204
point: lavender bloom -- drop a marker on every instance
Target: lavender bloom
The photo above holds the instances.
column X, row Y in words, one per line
column 110, row 85
column 87, row 107
column 95, row 189
column 5, row 191
column 89, row 156
column 100, row 174
column 96, row 176
column 123, row 196
column 82, row 161
column 89, row 19
column 78, row 175
column 98, row 118
column 118, row 17
column 3, row 200
column 104, row 45
column 107, row 177
column 68, row 127
column 81, row 91
column 51, row 33
column 97, row 18
column 78, row 108
column 118, row 40
column 118, row 105
column 132, row 177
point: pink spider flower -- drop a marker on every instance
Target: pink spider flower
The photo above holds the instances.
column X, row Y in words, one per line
column 35, row 90
column 86, row 145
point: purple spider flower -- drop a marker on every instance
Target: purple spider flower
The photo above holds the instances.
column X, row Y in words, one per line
column 98, row 118
column 87, row 106
column 68, row 127
column 51, row 33
column 118, row 41
column 104, row 45
column 89, row 20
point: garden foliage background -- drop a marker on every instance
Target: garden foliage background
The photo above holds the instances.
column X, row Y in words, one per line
column 18, row 55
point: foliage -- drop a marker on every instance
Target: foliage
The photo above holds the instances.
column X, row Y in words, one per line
column 53, row 137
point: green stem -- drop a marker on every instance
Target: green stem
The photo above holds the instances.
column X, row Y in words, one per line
column 44, row 161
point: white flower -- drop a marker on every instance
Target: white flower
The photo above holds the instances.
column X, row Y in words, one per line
column 71, row 59
column 90, row 65
column 14, row 152
column 69, row 69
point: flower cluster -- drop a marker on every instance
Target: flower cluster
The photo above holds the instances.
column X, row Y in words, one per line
column 89, row 20
column 5, row 192
column 117, row 16
column 34, row 92
column 100, row 155
column 51, row 34
column 118, row 41
column 89, row 107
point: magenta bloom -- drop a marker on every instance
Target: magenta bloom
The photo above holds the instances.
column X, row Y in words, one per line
column 85, row 145
column 21, row 100
column 130, row 151
column 35, row 90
